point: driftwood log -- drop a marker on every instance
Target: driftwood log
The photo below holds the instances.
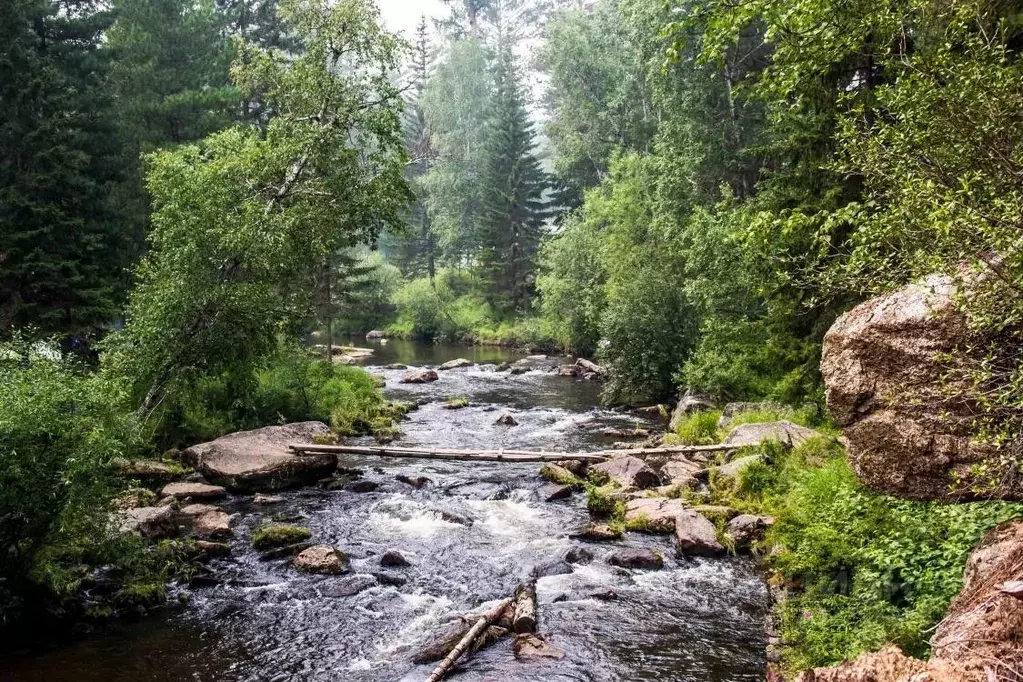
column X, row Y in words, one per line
column 525, row 609
column 481, row 625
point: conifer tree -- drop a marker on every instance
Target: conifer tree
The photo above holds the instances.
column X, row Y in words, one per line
column 60, row 237
column 512, row 204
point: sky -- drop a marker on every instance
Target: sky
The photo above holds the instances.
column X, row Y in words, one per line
column 403, row 15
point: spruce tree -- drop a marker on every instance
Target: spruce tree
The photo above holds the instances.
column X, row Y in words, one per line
column 61, row 241
column 512, row 203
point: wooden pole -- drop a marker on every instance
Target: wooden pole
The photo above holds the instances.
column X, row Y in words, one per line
column 505, row 455
column 478, row 629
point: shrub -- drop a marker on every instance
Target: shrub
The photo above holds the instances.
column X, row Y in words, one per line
column 58, row 432
column 699, row 428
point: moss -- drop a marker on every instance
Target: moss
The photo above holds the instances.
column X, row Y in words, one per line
column 278, row 535
column 643, row 524
column 598, row 477
column 143, row 593
column 560, row 475
column 600, row 500
column 455, row 403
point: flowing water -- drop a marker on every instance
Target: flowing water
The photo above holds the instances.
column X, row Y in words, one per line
column 471, row 536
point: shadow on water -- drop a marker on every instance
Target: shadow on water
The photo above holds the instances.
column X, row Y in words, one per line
column 471, row 535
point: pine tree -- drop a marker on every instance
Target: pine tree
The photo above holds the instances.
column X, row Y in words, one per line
column 61, row 241
column 512, row 204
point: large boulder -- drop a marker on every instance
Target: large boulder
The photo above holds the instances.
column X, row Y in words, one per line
column 785, row 432
column 149, row 522
column 694, row 534
column 628, row 472
column 645, row 559
column 687, row 405
column 652, row 514
column 321, row 559
column 885, row 370
column 260, row 459
column 745, row 529
column 681, row 472
column 420, row 376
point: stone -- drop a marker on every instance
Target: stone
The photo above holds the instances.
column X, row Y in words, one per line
column 589, row 367
column 421, row 376
column 680, row 472
column 745, row 529
column 575, row 466
column 195, row 491
column 198, row 509
column 360, row 486
column 652, row 514
column 518, row 370
column 502, row 367
column 287, row 550
column 208, row 550
column 554, row 492
column 348, row 586
column 551, row 568
column 135, row 497
column 321, row 559
column 885, row 370
column 145, row 470
column 149, row 522
column 506, row 419
column 393, row 559
column 733, row 469
column 555, row 473
column 645, row 559
column 598, row 532
column 568, row 371
column 375, row 334
column 396, row 365
column 456, row 364
column 529, row 645
column 260, row 460
column 212, row 524
column 264, row 500
column 785, row 432
column 695, row 535
column 628, row 472
column 392, row 579
column 414, row 481
column 578, row 555
column 687, row 405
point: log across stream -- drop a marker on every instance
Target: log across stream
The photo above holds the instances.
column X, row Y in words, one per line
column 472, row 534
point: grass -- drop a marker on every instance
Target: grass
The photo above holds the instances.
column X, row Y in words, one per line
column 560, row 475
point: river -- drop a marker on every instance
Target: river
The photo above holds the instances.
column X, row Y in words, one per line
column 471, row 535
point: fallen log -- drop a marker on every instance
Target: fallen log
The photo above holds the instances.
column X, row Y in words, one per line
column 481, row 626
column 505, row 455
column 525, row 609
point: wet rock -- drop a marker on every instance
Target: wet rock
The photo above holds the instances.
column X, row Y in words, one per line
column 195, row 491
column 392, row 579
column 451, row 517
column 147, row 471
column 455, row 404
column 422, row 376
column 578, row 555
column 785, row 432
column 696, row 535
column 506, row 419
column 414, row 481
column 598, row 532
column 396, row 365
column 321, row 559
column 278, row 535
column 747, row 528
column 559, row 475
column 733, row 469
column 285, row 551
column 263, row 500
column 375, row 334
column 554, row 492
column 360, row 486
column 589, row 367
column 149, row 522
column 260, row 460
column 637, row 558
column 207, row 549
column 348, row 586
column 551, row 568
column 568, row 371
column 605, row 595
column 628, row 472
column 518, row 370
column 652, row 514
column 502, row 367
column 687, row 405
column 212, row 524
column 530, row 645
column 456, row 364
column 393, row 559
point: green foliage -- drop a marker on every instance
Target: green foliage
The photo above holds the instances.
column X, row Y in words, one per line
column 872, row 569
column 600, row 500
column 58, row 432
column 699, row 428
column 278, row 535
column 560, row 476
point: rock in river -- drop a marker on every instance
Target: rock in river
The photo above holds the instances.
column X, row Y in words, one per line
column 321, row 559
column 637, row 558
column 456, row 364
column 506, row 419
column 260, row 459
column 421, row 376
column 628, row 472
column 531, row 645
column 694, row 534
column 394, row 559
column 652, row 514
column 195, row 491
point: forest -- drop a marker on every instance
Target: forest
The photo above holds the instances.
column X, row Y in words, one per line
column 690, row 192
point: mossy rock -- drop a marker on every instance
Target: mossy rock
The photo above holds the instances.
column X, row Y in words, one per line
column 598, row 477
column 602, row 501
column 560, row 475
column 278, row 535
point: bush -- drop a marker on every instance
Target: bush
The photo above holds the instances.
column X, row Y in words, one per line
column 58, row 433
column 699, row 428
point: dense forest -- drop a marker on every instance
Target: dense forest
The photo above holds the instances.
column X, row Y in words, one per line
column 689, row 192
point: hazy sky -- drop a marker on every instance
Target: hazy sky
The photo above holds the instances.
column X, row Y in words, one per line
column 403, row 15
